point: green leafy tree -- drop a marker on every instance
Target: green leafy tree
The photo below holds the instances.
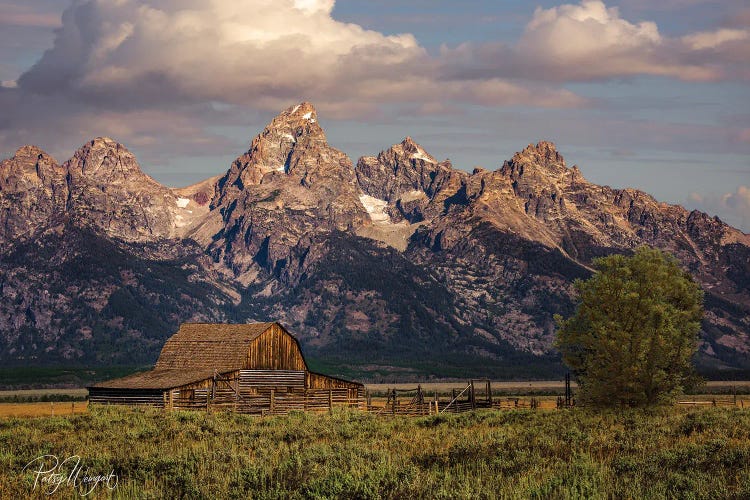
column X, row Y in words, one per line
column 631, row 339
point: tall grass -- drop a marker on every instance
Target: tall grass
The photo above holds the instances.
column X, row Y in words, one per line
column 665, row 453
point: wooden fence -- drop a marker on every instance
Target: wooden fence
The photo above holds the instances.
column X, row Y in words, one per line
column 266, row 401
column 256, row 393
column 714, row 402
column 415, row 402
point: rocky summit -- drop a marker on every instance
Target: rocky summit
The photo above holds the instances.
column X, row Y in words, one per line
column 401, row 264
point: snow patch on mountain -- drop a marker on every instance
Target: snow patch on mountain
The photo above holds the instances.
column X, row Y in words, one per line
column 376, row 208
column 422, row 155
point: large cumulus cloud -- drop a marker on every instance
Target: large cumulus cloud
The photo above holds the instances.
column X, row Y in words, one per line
column 162, row 75
column 179, row 61
column 590, row 41
column 254, row 52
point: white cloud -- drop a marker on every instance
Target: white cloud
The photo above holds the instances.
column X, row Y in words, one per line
column 165, row 59
column 135, row 69
column 225, row 50
column 314, row 6
column 590, row 41
column 263, row 53
column 587, row 38
column 714, row 39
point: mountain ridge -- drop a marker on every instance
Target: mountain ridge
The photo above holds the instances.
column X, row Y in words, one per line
column 497, row 250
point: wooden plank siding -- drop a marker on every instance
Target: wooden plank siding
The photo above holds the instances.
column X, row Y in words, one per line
column 276, row 379
column 134, row 397
column 275, row 349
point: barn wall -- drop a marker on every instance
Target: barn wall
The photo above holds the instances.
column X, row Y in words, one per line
column 146, row 397
column 251, row 380
column 199, row 394
column 275, row 349
column 316, row 381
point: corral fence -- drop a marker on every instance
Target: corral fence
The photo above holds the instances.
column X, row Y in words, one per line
column 476, row 394
column 733, row 401
column 255, row 397
column 253, row 392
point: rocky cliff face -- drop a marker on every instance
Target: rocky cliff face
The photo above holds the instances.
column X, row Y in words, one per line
column 279, row 197
column 108, row 190
column 32, row 188
column 406, row 177
column 400, row 262
column 102, row 187
column 533, row 211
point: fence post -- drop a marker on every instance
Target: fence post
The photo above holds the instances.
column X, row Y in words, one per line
column 272, row 403
column 330, row 400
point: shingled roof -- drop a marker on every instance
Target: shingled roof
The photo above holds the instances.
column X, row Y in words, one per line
column 196, row 352
column 156, row 379
column 209, row 346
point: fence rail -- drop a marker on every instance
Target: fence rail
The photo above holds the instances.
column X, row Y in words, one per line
column 266, row 401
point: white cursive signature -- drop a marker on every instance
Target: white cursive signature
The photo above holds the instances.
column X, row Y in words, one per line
column 51, row 473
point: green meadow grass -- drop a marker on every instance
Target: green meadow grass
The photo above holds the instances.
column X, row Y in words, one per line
column 663, row 453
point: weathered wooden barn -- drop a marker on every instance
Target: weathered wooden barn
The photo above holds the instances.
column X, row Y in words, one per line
column 255, row 368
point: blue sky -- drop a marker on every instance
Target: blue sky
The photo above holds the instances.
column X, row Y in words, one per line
column 651, row 95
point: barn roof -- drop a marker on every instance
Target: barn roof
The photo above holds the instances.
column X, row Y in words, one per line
column 156, row 379
column 196, row 352
column 209, row 346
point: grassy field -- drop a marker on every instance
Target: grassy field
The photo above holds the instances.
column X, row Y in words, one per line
column 665, row 453
column 30, row 393
column 50, row 409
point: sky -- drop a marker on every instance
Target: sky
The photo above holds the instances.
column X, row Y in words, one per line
column 642, row 94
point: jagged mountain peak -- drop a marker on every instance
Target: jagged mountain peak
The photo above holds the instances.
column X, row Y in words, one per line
column 305, row 110
column 31, row 153
column 29, row 162
column 292, row 146
column 406, row 179
column 294, row 232
column 408, row 150
column 29, row 157
column 104, row 159
column 32, row 187
column 543, row 151
column 296, row 123
column 542, row 156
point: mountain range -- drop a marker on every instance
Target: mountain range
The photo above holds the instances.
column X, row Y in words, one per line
column 398, row 265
